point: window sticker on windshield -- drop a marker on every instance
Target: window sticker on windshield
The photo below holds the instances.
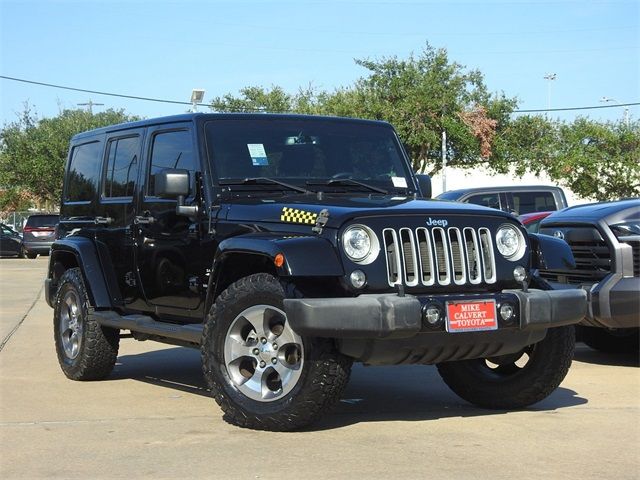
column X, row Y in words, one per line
column 258, row 155
column 399, row 182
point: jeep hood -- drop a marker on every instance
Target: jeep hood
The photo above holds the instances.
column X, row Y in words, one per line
column 303, row 209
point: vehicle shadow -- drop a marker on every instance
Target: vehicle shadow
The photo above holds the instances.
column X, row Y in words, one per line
column 374, row 394
column 586, row 354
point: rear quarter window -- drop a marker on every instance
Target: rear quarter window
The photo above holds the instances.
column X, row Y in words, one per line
column 530, row 202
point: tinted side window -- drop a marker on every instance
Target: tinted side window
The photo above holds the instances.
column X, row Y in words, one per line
column 171, row 150
column 84, row 172
column 122, row 167
column 491, row 200
column 529, row 202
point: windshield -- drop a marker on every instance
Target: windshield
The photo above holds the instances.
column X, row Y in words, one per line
column 308, row 152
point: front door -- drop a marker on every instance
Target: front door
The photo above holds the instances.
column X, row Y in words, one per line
column 115, row 214
column 169, row 245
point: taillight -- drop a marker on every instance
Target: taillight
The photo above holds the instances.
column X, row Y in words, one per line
column 38, row 229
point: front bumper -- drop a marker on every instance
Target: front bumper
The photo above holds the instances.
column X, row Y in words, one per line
column 391, row 316
column 614, row 302
column 39, row 247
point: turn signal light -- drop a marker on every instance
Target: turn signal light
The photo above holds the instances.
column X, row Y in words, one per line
column 278, row 260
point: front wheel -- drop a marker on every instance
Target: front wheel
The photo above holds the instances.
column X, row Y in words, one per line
column 261, row 373
column 516, row 380
column 622, row 340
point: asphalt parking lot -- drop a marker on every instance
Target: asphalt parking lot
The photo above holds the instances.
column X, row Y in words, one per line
column 153, row 417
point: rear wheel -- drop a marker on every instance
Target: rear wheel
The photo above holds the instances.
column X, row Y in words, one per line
column 623, row 340
column 261, row 373
column 30, row 255
column 22, row 253
column 516, row 380
column 86, row 350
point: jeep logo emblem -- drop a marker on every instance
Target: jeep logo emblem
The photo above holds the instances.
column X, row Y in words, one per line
column 437, row 223
column 558, row 234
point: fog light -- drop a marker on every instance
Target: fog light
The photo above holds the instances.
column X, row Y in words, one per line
column 506, row 312
column 520, row 274
column 432, row 314
column 358, row 278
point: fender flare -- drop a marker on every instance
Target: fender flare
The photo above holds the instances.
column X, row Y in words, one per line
column 84, row 251
column 550, row 253
column 308, row 256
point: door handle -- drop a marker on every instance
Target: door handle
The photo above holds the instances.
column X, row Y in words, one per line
column 103, row 220
column 146, row 220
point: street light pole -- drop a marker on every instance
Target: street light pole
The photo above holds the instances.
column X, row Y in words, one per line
column 625, row 113
column 444, row 160
column 549, row 77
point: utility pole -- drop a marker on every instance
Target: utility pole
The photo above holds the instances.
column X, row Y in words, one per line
column 549, row 77
column 90, row 104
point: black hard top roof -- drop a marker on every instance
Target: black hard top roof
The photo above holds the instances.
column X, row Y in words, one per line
column 200, row 117
column 596, row 211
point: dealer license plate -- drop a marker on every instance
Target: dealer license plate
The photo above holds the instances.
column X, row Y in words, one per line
column 471, row 316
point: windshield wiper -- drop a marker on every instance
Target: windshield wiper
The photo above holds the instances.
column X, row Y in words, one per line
column 265, row 181
column 350, row 181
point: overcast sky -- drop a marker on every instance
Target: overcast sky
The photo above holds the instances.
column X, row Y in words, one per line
column 165, row 49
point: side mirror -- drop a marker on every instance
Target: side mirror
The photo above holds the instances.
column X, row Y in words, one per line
column 170, row 183
column 424, row 182
column 174, row 184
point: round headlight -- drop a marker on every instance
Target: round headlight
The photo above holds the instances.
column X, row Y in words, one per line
column 510, row 242
column 360, row 244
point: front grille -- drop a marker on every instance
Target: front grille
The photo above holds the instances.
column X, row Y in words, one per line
column 592, row 255
column 635, row 247
column 439, row 256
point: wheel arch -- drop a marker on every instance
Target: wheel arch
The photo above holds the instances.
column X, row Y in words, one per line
column 78, row 252
column 244, row 255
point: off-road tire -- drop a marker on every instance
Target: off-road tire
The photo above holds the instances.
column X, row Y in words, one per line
column 98, row 348
column 548, row 364
column 324, row 376
column 625, row 340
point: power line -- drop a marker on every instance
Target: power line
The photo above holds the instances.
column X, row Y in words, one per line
column 177, row 102
column 96, row 92
column 566, row 109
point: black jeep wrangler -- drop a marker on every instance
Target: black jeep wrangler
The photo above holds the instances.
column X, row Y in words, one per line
column 285, row 248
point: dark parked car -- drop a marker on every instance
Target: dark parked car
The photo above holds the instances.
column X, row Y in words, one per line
column 516, row 199
column 531, row 221
column 10, row 242
column 605, row 240
column 38, row 234
column 287, row 247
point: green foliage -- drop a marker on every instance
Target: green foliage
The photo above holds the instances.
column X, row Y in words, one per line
column 421, row 96
column 597, row 161
column 33, row 151
column 274, row 100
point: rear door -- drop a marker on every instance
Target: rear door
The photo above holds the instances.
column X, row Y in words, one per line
column 169, row 252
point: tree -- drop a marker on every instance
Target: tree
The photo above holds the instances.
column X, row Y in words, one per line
column 597, row 161
column 273, row 99
column 33, row 151
column 421, row 96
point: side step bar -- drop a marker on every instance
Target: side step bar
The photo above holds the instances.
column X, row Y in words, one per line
column 149, row 326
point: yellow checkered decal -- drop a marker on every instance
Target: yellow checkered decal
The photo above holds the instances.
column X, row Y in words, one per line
column 293, row 215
